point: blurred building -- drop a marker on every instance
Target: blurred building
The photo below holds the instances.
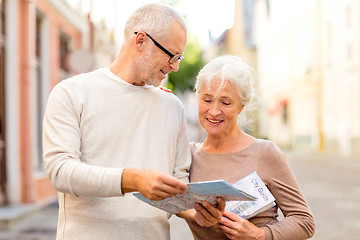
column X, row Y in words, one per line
column 308, row 55
column 240, row 41
column 41, row 43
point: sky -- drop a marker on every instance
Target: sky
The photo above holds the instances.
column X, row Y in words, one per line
column 201, row 15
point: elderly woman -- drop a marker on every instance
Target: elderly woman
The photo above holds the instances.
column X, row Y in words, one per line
column 224, row 90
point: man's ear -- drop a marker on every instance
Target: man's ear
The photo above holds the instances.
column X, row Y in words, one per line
column 139, row 40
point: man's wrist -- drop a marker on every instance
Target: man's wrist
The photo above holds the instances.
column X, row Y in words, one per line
column 129, row 180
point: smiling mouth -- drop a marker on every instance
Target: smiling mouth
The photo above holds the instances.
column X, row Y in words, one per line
column 163, row 72
column 214, row 121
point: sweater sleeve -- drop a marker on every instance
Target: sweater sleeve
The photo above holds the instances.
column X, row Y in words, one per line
column 183, row 156
column 62, row 151
column 298, row 222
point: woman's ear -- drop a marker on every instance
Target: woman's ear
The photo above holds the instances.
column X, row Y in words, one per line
column 241, row 108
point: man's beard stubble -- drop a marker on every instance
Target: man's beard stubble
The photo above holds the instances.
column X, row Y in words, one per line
column 144, row 70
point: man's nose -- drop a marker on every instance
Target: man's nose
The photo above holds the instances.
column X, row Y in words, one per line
column 175, row 66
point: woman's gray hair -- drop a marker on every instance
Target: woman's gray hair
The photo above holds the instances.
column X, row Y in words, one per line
column 154, row 19
column 228, row 68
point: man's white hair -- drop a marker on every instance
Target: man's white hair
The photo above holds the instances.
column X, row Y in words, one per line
column 154, row 19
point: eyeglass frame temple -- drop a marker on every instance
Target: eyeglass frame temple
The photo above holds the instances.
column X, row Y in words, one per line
column 163, row 49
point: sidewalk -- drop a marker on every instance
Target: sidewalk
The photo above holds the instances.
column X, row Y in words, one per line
column 40, row 224
column 330, row 185
column 326, row 161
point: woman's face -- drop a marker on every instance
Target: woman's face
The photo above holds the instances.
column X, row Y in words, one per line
column 218, row 109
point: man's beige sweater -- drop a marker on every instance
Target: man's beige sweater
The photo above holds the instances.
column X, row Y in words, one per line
column 96, row 125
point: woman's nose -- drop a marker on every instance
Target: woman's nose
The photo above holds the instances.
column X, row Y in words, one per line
column 214, row 109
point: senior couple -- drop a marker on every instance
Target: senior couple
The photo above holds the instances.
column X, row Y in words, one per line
column 114, row 131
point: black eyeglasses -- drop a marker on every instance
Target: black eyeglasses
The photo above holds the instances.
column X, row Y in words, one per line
column 173, row 58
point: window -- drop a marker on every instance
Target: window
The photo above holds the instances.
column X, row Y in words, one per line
column 248, row 11
column 2, row 105
column 350, row 32
column 64, row 49
column 41, row 86
column 329, row 49
column 37, row 96
column 267, row 8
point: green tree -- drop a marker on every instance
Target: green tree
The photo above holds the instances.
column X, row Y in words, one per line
column 184, row 79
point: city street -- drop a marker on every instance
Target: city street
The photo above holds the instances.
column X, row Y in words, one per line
column 331, row 187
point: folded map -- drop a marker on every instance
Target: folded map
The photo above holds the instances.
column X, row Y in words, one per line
column 199, row 192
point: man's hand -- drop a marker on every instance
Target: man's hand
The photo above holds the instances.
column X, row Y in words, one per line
column 207, row 215
column 154, row 185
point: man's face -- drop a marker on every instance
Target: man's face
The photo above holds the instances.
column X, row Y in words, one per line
column 153, row 64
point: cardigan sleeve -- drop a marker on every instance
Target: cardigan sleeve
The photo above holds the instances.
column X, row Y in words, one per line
column 298, row 222
column 62, row 144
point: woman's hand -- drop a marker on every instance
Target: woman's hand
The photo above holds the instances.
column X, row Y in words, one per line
column 207, row 215
column 235, row 227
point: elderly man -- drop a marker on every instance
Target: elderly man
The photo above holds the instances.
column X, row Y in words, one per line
column 113, row 131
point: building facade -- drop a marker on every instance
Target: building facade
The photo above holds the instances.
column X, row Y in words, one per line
column 37, row 38
column 308, row 56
